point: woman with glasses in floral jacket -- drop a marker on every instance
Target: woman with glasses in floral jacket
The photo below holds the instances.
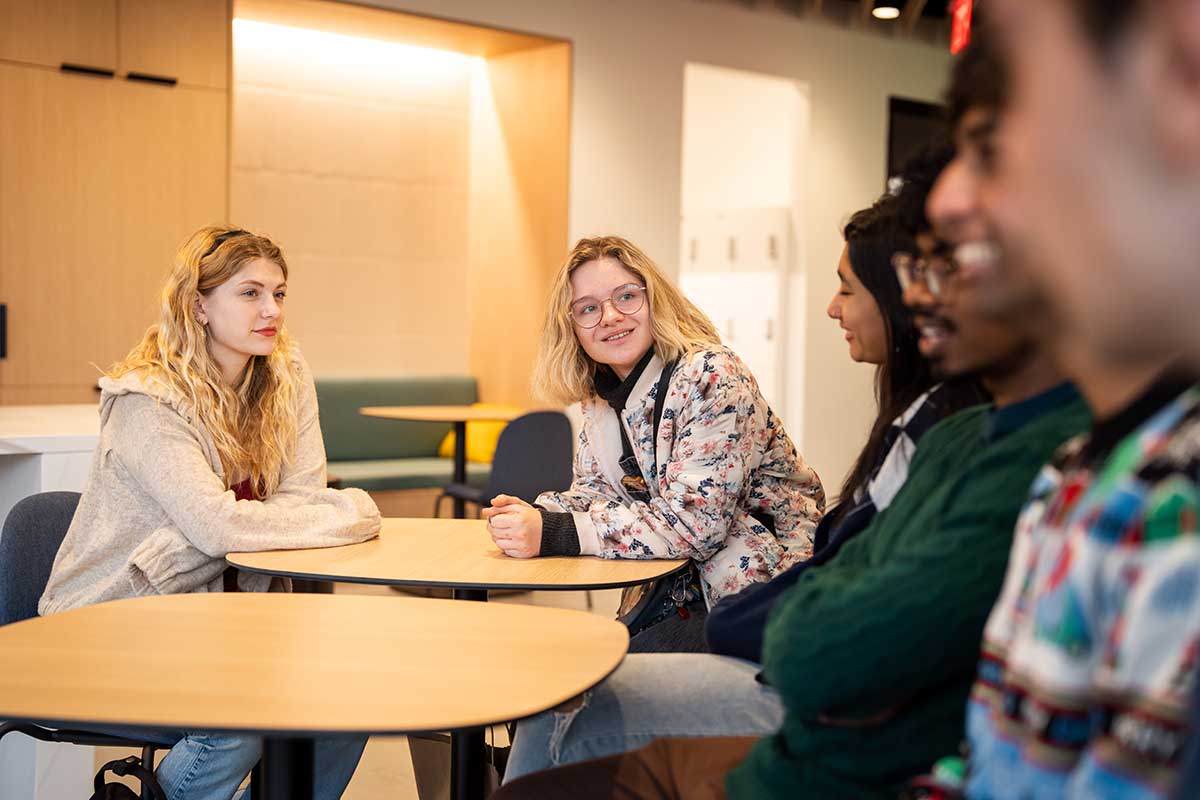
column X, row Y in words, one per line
column 679, row 456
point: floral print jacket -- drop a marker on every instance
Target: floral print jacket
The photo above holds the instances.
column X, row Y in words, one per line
column 721, row 454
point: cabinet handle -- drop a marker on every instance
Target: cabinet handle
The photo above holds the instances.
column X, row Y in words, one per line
column 3, row 330
column 83, row 69
column 145, row 77
column 770, row 329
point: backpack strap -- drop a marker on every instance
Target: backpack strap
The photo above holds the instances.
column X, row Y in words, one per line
column 130, row 766
column 660, row 400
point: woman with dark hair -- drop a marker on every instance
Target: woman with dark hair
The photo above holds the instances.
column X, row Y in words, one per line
column 867, row 279
column 656, row 695
column 879, row 330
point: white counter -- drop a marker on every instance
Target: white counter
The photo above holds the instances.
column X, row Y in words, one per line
column 45, row 449
column 49, row 429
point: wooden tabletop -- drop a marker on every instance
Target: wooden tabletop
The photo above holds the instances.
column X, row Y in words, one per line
column 441, row 413
column 456, row 553
column 305, row 664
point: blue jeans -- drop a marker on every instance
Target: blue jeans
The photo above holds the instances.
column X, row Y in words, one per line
column 211, row 766
column 651, row 695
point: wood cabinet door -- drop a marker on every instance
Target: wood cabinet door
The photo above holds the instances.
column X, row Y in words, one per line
column 173, row 146
column 56, row 221
column 187, row 40
column 99, row 181
column 53, row 32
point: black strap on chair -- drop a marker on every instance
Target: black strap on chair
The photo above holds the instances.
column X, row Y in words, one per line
column 119, row 791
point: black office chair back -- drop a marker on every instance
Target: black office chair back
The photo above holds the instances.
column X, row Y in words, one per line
column 533, row 455
column 32, row 534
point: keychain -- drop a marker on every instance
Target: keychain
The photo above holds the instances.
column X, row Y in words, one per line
column 680, row 596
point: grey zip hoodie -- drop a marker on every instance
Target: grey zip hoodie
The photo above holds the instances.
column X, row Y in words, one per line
column 156, row 517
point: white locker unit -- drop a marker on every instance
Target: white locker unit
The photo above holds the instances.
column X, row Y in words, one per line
column 735, row 268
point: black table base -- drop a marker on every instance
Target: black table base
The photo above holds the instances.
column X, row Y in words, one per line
column 468, row 756
column 460, row 468
column 287, row 769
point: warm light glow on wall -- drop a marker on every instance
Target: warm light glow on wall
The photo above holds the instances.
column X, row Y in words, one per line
column 354, row 53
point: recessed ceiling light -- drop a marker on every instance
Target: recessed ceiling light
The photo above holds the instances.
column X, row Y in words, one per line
column 885, row 12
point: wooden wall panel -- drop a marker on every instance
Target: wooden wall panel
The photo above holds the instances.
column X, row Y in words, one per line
column 174, row 144
column 518, row 233
column 50, row 32
column 353, row 157
column 350, row 19
column 56, row 227
column 99, row 182
column 183, row 39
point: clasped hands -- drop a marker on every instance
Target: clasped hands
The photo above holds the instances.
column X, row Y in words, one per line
column 515, row 526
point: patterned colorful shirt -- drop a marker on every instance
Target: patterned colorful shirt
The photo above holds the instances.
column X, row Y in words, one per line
column 1090, row 653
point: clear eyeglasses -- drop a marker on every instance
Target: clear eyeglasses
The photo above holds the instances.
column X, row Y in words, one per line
column 944, row 263
column 587, row 312
column 934, row 271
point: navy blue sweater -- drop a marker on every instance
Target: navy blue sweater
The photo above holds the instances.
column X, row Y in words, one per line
column 735, row 625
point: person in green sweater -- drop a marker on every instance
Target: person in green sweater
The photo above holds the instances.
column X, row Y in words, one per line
column 873, row 653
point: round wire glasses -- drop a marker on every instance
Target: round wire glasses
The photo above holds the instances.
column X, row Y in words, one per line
column 586, row 312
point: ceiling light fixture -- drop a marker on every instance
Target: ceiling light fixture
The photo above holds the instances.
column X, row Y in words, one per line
column 886, row 11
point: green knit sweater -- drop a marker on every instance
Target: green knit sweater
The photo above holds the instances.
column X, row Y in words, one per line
column 888, row 632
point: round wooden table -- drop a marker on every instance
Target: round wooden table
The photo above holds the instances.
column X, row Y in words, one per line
column 459, row 554
column 295, row 667
column 451, row 553
column 458, row 416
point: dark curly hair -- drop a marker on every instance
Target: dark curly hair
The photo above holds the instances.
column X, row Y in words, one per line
column 916, row 179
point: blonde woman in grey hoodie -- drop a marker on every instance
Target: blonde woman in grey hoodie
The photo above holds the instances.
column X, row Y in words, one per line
column 209, row 444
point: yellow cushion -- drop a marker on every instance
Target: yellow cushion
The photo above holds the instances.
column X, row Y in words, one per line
column 481, row 436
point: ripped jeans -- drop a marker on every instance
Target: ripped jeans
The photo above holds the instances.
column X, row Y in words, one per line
column 651, row 695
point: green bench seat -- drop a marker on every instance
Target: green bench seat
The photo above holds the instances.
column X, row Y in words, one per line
column 384, row 474
column 386, row 454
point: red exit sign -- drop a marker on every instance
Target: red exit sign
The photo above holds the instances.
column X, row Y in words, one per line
column 960, row 24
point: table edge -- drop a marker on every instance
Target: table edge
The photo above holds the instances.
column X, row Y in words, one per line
column 97, row 726
column 542, row 587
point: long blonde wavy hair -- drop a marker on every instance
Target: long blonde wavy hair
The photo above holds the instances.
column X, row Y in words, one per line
column 253, row 424
column 564, row 373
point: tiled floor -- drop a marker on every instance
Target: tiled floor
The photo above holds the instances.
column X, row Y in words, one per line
column 386, row 769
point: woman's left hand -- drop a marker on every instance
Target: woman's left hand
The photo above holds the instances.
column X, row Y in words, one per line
column 515, row 526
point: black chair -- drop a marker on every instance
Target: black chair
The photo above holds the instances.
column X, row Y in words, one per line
column 533, row 456
column 32, row 534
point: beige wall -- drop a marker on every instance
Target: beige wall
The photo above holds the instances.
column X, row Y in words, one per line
column 627, row 97
column 353, row 155
column 518, row 212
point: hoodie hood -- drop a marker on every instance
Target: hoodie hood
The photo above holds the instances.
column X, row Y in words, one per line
column 139, row 383
column 136, row 383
